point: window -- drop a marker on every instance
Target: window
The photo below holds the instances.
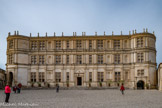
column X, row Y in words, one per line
column 125, row 44
column 67, row 59
column 34, row 45
column 108, row 44
column 90, row 76
column 58, row 44
column 58, row 77
column 100, row 76
column 34, row 59
column 139, row 42
column 100, row 59
column 67, row 45
column 140, row 72
column 126, row 75
column 90, row 44
column 67, row 76
column 10, row 58
column 58, row 59
column 117, row 58
column 11, row 44
column 100, row 44
column 90, row 59
column 126, row 59
column 33, row 76
column 139, row 57
column 41, row 76
column 41, row 59
column 117, row 76
column 79, row 59
column 42, row 45
column 116, row 44
column 78, row 44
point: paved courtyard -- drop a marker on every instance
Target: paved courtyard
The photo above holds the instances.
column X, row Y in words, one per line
column 83, row 99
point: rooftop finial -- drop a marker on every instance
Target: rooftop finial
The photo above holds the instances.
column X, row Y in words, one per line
column 54, row 34
column 15, row 33
column 73, row 34
column 30, row 35
column 9, row 33
column 104, row 33
column 112, row 33
column 146, row 30
column 129, row 32
column 38, row 34
column 62, row 33
column 46, row 34
column 153, row 33
column 143, row 30
column 84, row 33
column 121, row 33
column 135, row 31
column 95, row 33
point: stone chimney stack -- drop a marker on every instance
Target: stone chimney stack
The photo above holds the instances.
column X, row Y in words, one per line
column 15, row 33
column 30, row 35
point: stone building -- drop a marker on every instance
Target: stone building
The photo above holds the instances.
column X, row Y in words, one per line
column 98, row 60
column 159, row 72
column 2, row 78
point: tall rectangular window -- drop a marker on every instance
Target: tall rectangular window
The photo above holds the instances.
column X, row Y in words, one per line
column 140, row 57
column 79, row 59
column 125, row 44
column 100, row 59
column 90, row 59
column 117, row 76
column 58, row 44
column 126, row 75
column 140, row 42
column 100, row 44
column 33, row 76
column 67, row 59
column 58, row 76
column 58, row 59
column 41, row 59
column 10, row 58
column 41, row 76
column 116, row 44
column 11, row 44
column 90, row 44
column 33, row 59
column 90, row 76
column 100, row 76
column 117, row 58
column 67, row 76
column 67, row 45
column 42, row 45
column 34, row 45
column 78, row 44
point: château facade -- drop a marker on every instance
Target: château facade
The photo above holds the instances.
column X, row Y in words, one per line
column 70, row 61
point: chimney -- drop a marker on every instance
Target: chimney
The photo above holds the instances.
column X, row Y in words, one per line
column 30, row 35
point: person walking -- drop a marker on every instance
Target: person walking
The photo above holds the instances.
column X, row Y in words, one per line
column 7, row 92
column 14, row 88
column 57, row 88
column 122, row 89
column 19, row 87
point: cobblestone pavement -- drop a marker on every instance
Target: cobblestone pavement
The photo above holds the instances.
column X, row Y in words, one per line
column 83, row 99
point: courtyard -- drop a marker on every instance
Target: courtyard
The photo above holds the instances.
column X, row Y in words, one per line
column 110, row 98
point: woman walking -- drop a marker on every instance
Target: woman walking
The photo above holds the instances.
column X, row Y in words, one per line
column 7, row 92
column 122, row 89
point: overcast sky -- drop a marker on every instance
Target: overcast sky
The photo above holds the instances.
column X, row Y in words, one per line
column 79, row 16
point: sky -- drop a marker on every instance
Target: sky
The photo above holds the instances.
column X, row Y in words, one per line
column 68, row 16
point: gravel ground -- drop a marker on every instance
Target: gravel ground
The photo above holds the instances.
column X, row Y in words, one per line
column 83, row 99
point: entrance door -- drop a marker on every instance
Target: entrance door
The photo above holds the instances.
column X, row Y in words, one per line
column 10, row 78
column 79, row 81
column 140, row 84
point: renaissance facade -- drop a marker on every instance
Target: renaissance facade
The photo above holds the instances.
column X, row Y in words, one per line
column 87, row 61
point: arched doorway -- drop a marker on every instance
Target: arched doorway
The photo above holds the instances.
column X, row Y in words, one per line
column 10, row 78
column 140, row 84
